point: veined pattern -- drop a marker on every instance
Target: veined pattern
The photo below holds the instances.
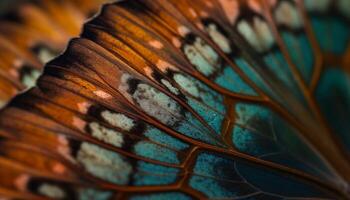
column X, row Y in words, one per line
column 180, row 99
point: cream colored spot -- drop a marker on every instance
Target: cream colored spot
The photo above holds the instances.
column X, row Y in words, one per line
column 164, row 66
column 84, row 107
column 21, row 182
column 79, row 123
column 51, row 191
column 202, row 56
column 186, row 84
column 259, row 36
column 156, row 44
column 102, row 94
column 64, row 149
column 118, row 120
column 45, row 55
column 219, row 38
column 170, row 87
column 176, row 42
column 106, row 135
column 287, row 14
column 183, row 30
column 148, row 71
column 29, row 79
column 157, row 104
column 104, row 164
column 124, row 86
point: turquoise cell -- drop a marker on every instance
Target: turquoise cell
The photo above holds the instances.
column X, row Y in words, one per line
column 209, row 96
column 152, row 174
column 278, row 68
column 161, row 196
column 333, row 96
column 252, row 73
column 156, row 152
column 262, row 133
column 230, row 80
column 211, row 116
column 216, row 177
column 145, row 178
column 301, row 53
column 220, row 176
column 89, row 193
column 191, row 127
column 278, row 183
column 273, row 76
column 331, row 32
column 159, row 136
column 253, row 143
column 149, row 167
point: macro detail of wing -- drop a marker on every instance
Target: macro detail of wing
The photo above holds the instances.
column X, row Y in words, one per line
column 34, row 33
column 178, row 99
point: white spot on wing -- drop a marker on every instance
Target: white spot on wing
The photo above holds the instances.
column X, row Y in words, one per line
column 259, row 36
column 156, row 44
column 202, row 56
column 176, row 42
column 29, row 79
column 102, row 94
column 157, row 104
column 118, row 120
column 104, row 164
column 51, row 191
column 170, row 87
column 163, row 66
column 45, row 55
column 124, row 87
column 186, row 84
column 287, row 14
column 84, row 107
column 79, row 123
column 63, row 148
column 106, row 135
column 183, row 30
column 148, row 71
column 219, row 38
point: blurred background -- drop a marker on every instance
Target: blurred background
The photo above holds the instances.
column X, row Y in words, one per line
column 5, row 5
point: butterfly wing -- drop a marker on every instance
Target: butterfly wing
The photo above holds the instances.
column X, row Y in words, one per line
column 34, row 33
column 176, row 100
